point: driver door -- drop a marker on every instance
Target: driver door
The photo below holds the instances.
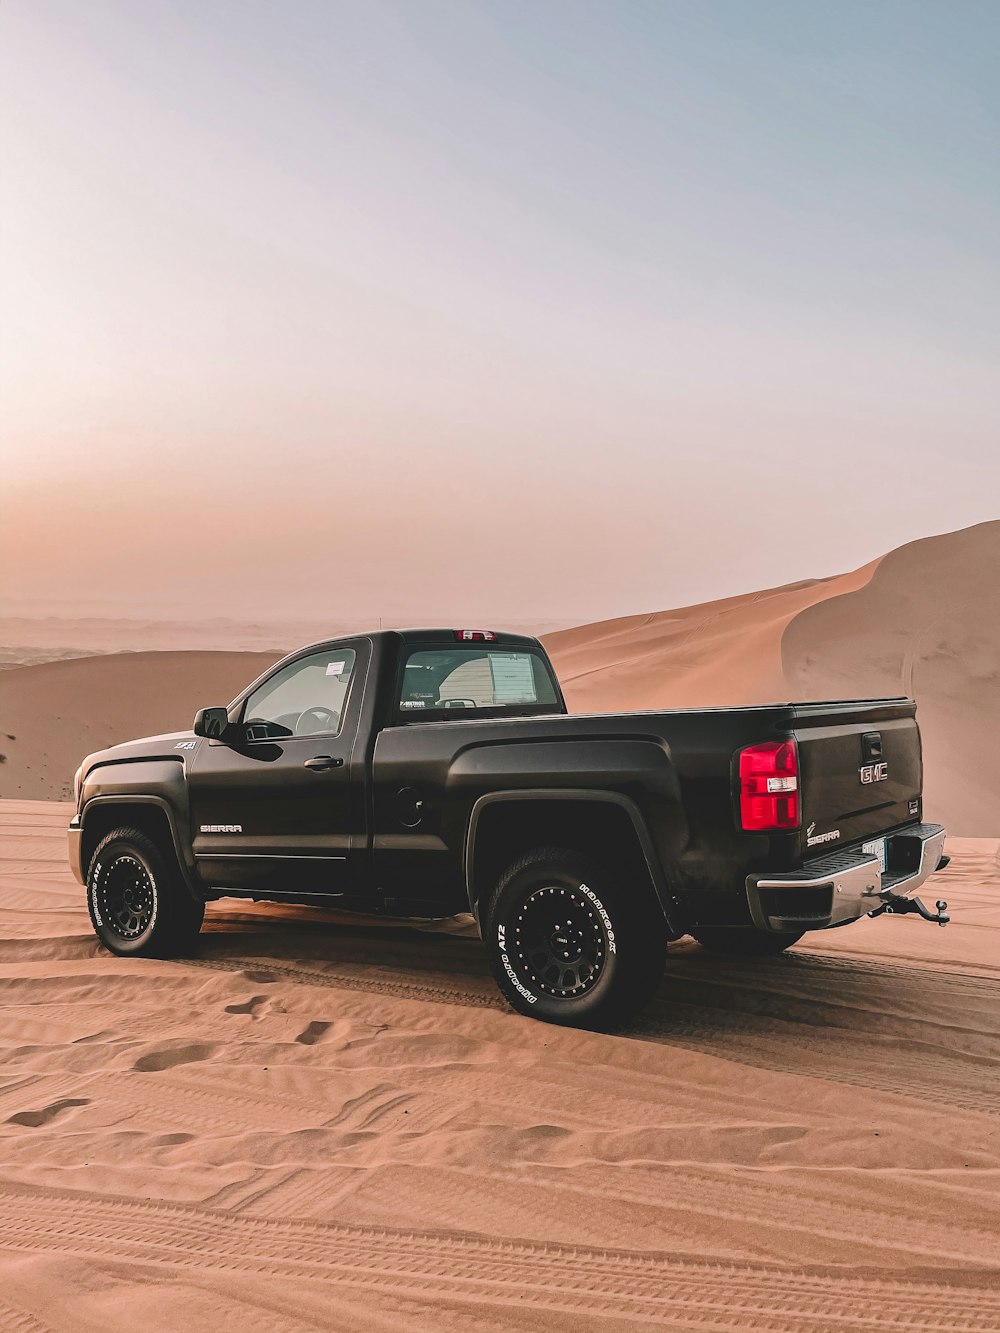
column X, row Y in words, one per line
column 282, row 808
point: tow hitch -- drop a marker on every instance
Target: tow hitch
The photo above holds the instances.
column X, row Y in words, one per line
column 899, row 906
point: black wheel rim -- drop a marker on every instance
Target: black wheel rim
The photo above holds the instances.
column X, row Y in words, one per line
column 126, row 896
column 559, row 944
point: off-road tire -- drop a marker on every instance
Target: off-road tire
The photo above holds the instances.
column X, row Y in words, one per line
column 745, row 941
column 139, row 904
column 569, row 942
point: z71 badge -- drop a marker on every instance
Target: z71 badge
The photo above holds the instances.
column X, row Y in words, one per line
column 873, row 773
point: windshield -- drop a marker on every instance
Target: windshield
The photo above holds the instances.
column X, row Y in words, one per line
column 472, row 678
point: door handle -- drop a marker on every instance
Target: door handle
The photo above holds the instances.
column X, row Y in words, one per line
column 322, row 762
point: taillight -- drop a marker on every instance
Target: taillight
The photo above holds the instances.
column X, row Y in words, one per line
column 475, row 636
column 769, row 786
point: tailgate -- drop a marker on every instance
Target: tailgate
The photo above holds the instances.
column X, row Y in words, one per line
column 860, row 770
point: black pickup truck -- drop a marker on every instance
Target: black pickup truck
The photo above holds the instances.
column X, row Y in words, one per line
column 427, row 772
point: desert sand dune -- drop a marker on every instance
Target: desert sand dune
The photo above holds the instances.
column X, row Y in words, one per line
column 331, row 1122
column 711, row 655
column 54, row 713
column 927, row 624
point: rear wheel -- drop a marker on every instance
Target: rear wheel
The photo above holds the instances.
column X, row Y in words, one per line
column 745, row 941
column 139, row 904
column 571, row 944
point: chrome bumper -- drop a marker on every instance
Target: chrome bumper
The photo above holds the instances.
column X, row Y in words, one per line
column 845, row 885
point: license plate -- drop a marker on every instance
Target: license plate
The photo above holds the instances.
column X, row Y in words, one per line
column 876, row 848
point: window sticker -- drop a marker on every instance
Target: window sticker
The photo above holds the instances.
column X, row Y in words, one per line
column 413, row 703
column 513, row 678
column 335, row 668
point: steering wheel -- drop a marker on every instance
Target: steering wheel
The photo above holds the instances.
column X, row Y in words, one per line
column 313, row 721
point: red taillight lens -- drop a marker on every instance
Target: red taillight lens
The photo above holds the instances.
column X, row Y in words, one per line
column 475, row 636
column 769, row 786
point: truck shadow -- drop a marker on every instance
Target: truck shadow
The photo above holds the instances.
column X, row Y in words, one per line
column 920, row 1032
column 906, row 1029
column 316, row 946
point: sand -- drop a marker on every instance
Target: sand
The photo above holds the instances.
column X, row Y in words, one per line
column 54, row 713
column 926, row 625
column 325, row 1122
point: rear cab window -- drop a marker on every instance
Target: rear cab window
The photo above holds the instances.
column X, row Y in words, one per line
column 473, row 680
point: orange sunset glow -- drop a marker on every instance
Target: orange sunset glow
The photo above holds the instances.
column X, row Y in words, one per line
column 434, row 310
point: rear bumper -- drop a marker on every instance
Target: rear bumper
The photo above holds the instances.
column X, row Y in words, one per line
column 845, row 885
column 75, row 848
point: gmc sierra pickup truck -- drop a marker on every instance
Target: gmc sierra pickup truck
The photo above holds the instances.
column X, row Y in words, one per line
column 427, row 772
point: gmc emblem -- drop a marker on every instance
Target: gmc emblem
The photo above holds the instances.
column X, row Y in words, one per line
column 873, row 773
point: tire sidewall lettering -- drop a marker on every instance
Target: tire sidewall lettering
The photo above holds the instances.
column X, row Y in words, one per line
column 95, row 879
column 156, row 902
column 509, row 969
column 603, row 913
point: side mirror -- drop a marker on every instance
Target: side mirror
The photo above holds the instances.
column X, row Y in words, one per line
column 212, row 723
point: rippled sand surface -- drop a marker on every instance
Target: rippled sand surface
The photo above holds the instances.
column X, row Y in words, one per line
column 327, row 1122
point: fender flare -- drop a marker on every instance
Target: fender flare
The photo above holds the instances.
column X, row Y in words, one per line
column 579, row 796
column 129, row 798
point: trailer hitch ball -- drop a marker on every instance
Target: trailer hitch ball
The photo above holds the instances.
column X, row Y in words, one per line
column 896, row 905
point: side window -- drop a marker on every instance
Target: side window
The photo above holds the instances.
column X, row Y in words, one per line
column 305, row 698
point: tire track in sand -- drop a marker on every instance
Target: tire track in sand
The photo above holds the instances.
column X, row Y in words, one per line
column 921, row 1076
column 15, row 1320
column 262, row 972
column 693, row 1292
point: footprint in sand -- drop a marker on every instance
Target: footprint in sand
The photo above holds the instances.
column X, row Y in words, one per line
column 35, row 1119
column 253, row 1006
column 313, row 1033
column 176, row 1055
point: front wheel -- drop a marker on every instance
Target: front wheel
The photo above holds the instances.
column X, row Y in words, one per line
column 568, row 943
column 139, row 905
column 745, row 941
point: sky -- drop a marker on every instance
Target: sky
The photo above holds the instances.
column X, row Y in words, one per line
column 529, row 308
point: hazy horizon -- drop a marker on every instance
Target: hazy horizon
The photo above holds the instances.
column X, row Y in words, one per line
column 559, row 310
column 277, row 616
